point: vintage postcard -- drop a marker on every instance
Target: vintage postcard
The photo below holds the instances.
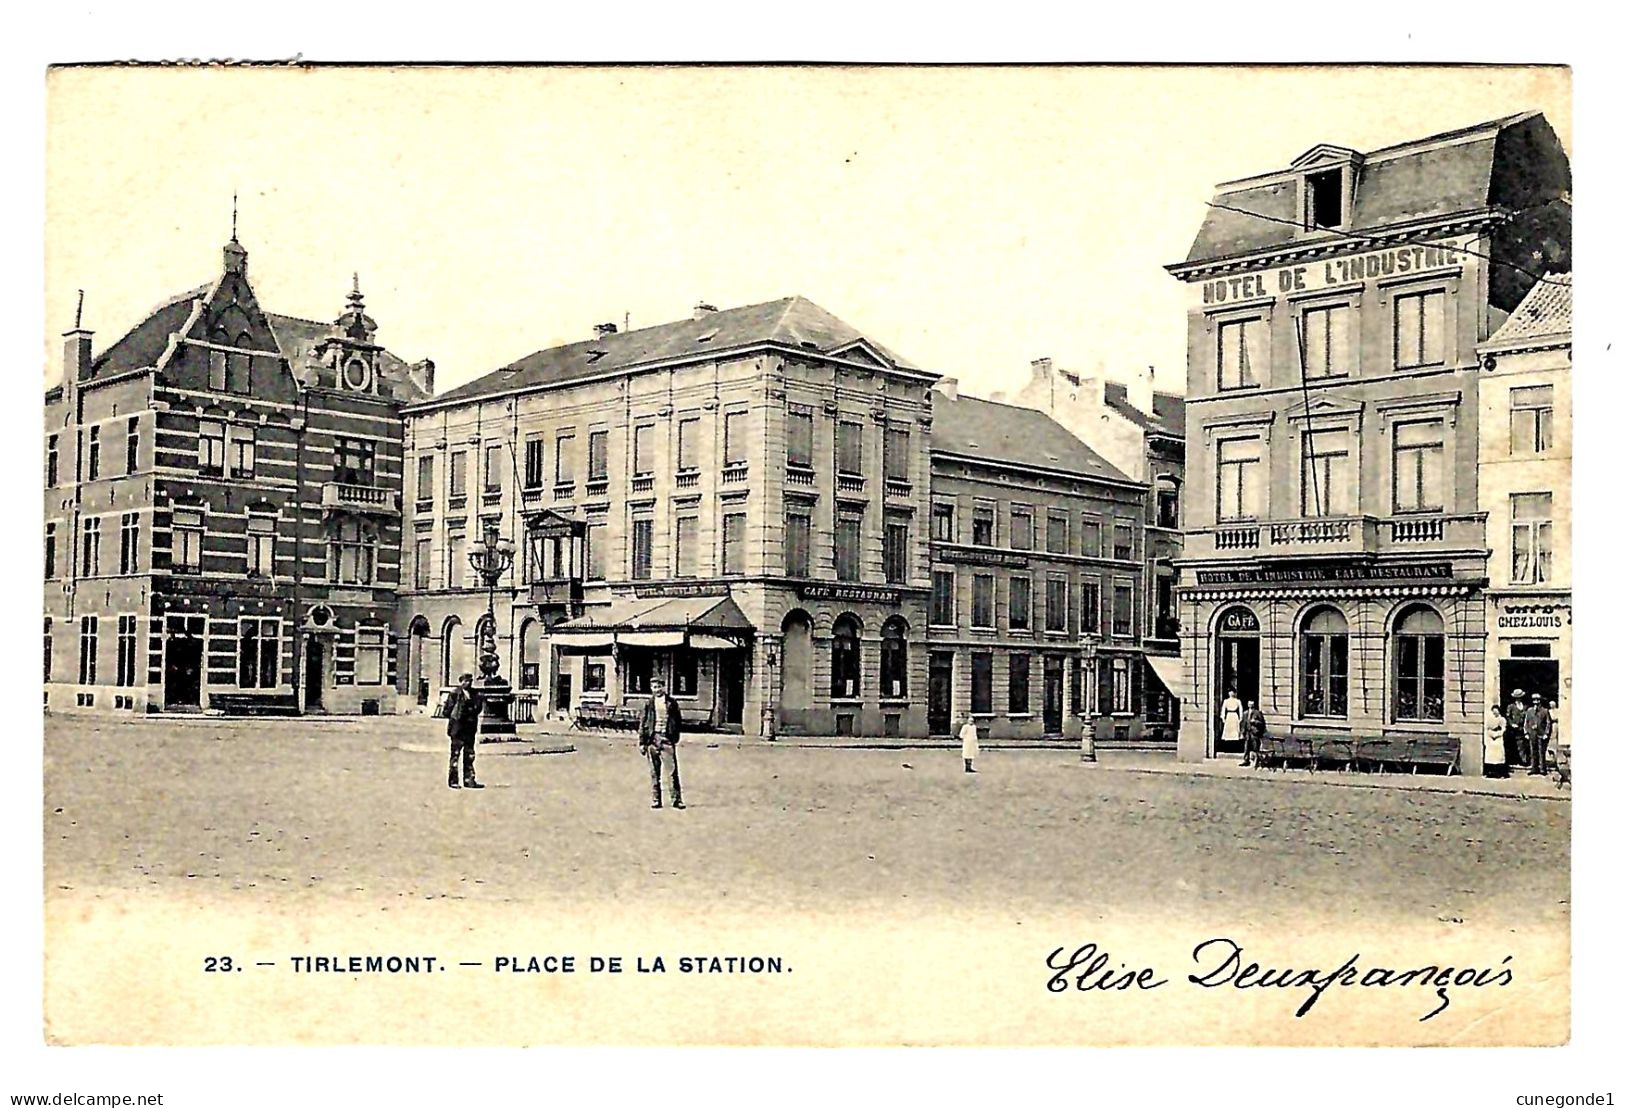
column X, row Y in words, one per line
column 808, row 555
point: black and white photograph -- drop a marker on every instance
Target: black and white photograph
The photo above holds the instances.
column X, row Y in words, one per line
column 808, row 555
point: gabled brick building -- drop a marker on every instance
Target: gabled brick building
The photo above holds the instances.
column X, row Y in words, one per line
column 222, row 513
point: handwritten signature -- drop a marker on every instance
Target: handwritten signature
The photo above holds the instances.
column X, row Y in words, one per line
column 1221, row 962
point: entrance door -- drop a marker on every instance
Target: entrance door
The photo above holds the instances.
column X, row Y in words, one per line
column 183, row 662
column 1532, row 675
column 1236, row 670
column 731, row 687
column 561, row 692
column 1054, row 683
column 940, row 694
column 315, row 671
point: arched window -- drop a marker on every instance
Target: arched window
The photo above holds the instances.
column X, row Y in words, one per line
column 453, row 655
column 1419, row 665
column 1323, row 664
column 798, row 661
column 417, row 667
column 894, row 658
column 530, row 654
column 845, row 661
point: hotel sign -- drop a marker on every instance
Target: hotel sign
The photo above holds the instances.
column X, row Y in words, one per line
column 1399, row 261
column 982, row 557
column 1257, row 575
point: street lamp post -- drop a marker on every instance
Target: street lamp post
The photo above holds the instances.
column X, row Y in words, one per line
column 491, row 558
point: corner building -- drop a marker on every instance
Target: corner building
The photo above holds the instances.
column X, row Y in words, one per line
column 222, row 510
column 1335, row 555
column 735, row 502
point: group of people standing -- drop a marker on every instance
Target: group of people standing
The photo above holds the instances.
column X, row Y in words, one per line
column 1243, row 723
column 659, row 731
column 1520, row 736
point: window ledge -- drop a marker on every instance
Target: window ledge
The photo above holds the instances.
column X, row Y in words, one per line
column 1019, row 715
column 894, row 702
column 846, row 701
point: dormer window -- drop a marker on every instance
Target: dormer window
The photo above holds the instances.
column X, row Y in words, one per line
column 1323, row 199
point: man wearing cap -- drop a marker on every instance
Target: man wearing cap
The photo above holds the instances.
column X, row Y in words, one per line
column 1537, row 727
column 1515, row 739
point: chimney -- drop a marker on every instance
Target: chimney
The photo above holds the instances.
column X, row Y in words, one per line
column 423, row 373
column 1140, row 387
column 602, row 329
column 1042, row 368
column 76, row 355
column 236, row 258
column 949, row 387
column 702, row 309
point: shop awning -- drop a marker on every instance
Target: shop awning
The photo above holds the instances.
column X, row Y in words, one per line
column 1171, row 672
column 649, row 638
column 713, row 642
column 658, row 621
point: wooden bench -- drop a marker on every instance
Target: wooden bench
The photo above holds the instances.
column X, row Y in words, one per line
column 255, row 704
column 606, row 717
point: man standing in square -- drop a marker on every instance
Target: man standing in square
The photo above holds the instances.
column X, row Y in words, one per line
column 463, row 726
column 657, row 737
column 1537, row 729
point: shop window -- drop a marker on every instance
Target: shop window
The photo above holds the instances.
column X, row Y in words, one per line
column 894, row 659
column 1323, row 663
column 942, row 598
column 1122, row 687
column 1419, row 665
column 981, row 684
column 685, row 673
column 594, row 676
column 1419, row 330
column 640, row 670
column 1531, row 538
column 845, row 660
column 1328, row 477
column 1532, row 411
column 258, row 652
column 1020, row 672
column 1419, row 466
column 369, row 656
column 1021, row 603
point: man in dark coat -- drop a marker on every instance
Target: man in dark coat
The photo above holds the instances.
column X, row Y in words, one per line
column 1537, row 728
column 463, row 725
column 1252, row 729
column 1516, row 746
column 658, row 733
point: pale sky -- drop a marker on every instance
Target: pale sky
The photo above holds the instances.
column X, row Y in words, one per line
column 970, row 219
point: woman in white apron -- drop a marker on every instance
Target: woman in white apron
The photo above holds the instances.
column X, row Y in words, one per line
column 1230, row 719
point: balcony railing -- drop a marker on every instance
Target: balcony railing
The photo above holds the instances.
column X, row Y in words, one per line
column 688, row 479
column 898, row 487
column 735, row 473
column 564, row 491
column 799, row 475
column 1337, row 535
column 643, row 482
column 361, row 498
column 849, row 482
